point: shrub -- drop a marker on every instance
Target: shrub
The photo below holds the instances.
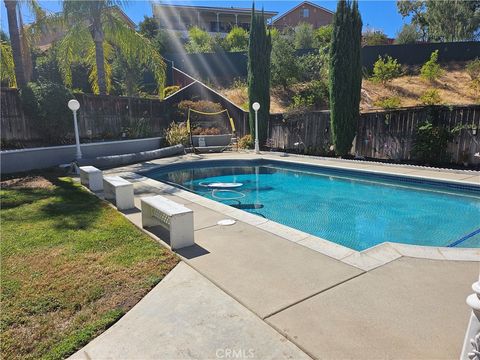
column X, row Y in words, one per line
column 431, row 97
column 206, row 131
column 315, row 94
column 430, row 144
column 388, row 102
column 246, row 142
column 169, row 90
column 301, row 101
column 322, row 37
column 313, row 66
column 284, row 65
column 473, row 70
column 199, row 41
column 304, row 36
column 139, row 128
column 201, row 105
column 176, row 134
column 47, row 103
column 385, row 69
column 236, row 39
column 374, row 37
column 431, row 70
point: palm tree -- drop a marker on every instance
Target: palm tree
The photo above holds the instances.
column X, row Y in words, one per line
column 94, row 30
column 20, row 40
column 14, row 32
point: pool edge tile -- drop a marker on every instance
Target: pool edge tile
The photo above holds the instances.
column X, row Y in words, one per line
column 461, row 254
column 326, row 247
column 283, row 231
column 418, row 251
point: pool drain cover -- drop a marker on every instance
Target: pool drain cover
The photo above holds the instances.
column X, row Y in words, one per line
column 226, row 222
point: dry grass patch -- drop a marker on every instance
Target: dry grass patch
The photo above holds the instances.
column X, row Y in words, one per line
column 454, row 87
column 71, row 266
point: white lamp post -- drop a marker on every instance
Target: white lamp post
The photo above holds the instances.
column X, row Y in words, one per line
column 74, row 105
column 256, row 107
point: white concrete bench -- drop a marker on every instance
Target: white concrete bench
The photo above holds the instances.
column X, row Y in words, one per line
column 176, row 218
column 91, row 177
column 120, row 191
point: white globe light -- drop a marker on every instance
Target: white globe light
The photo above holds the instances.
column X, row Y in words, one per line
column 73, row 105
column 256, row 106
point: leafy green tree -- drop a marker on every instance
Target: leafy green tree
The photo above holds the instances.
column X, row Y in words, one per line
column 284, row 65
column 45, row 102
column 409, row 34
column 322, row 37
column 93, row 33
column 453, row 20
column 304, row 37
column 259, row 52
column 46, row 66
column 7, row 65
column 385, row 70
column 446, row 20
column 416, row 10
column 126, row 76
column 167, row 42
column 345, row 75
column 374, row 37
column 199, row 41
column 148, row 27
column 236, row 39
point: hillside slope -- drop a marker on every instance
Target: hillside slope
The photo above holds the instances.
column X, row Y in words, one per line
column 453, row 87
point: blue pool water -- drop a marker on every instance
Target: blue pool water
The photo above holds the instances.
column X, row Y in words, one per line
column 351, row 209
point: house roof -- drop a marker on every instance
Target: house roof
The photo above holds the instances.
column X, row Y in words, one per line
column 303, row 3
column 223, row 10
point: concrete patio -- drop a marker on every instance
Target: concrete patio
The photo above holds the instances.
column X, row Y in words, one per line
column 246, row 287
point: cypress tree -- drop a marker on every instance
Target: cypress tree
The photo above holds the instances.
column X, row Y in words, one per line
column 259, row 50
column 345, row 75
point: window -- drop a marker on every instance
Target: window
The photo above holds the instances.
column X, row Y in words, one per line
column 305, row 13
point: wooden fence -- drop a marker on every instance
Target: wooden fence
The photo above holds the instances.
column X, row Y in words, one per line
column 106, row 117
column 382, row 134
column 308, row 132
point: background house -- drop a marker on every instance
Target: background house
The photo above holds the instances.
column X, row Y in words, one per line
column 215, row 20
column 305, row 12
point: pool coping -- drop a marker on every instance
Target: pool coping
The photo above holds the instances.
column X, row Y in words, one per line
column 366, row 260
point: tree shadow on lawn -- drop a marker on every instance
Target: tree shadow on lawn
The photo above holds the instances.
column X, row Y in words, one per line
column 72, row 208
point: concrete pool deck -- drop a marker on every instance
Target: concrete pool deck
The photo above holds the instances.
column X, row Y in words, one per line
column 327, row 300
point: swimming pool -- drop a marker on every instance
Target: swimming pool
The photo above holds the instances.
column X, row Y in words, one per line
column 354, row 209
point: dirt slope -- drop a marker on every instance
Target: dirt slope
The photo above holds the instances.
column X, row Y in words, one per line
column 453, row 86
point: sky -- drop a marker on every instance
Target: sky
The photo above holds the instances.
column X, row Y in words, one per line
column 376, row 14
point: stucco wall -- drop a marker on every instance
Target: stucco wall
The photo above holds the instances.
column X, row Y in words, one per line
column 13, row 161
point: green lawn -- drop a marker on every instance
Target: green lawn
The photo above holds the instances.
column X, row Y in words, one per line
column 70, row 267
